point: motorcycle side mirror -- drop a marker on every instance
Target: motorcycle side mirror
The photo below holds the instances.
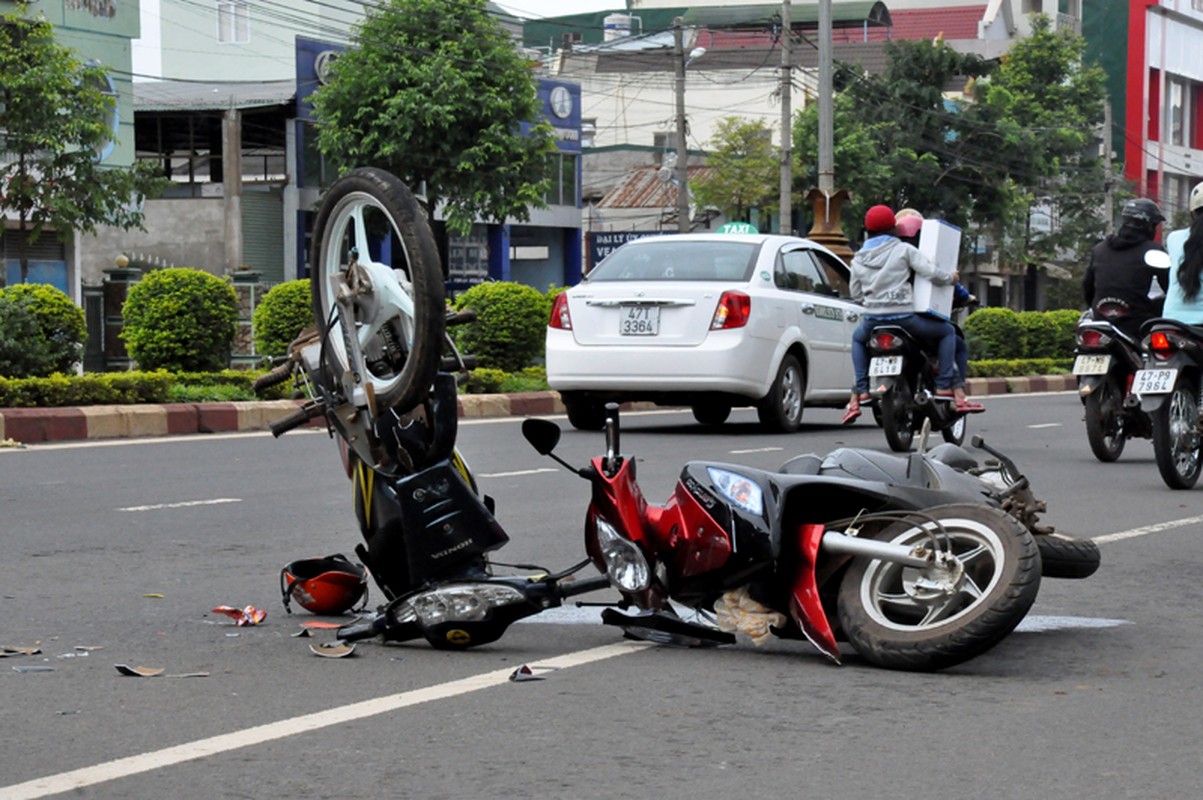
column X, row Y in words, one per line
column 542, row 434
column 1157, row 259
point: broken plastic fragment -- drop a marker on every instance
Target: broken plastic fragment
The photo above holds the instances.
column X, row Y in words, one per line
column 242, row 616
column 332, row 649
column 33, row 668
column 303, row 633
column 139, row 672
column 16, row 650
column 524, row 673
column 318, row 624
column 154, row 595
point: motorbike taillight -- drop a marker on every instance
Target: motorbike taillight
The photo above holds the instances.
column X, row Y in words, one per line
column 733, row 311
column 885, row 341
column 560, row 318
column 1092, row 339
column 1161, row 344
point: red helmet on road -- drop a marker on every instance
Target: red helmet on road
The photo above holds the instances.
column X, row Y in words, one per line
column 330, row 585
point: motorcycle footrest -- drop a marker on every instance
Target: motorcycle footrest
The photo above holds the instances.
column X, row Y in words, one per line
column 664, row 628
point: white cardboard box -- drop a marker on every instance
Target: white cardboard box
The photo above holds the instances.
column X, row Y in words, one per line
column 941, row 243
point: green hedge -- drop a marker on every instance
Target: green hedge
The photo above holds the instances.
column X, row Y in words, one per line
column 132, row 388
column 1000, row 333
column 1018, row 367
column 180, row 319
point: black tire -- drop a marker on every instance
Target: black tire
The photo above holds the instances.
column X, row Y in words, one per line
column 400, row 374
column 898, row 415
column 584, row 414
column 1067, row 556
column 1176, row 437
column 781, row 409
column 1105, row 423
column 885, row 617
column 712, row 413
column 955, row 433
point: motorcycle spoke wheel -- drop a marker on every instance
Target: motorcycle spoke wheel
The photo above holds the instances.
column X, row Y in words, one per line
column 1176, row 437
column 898, row 415
column 901, row 617
column 1105, row 423
column 397, row 306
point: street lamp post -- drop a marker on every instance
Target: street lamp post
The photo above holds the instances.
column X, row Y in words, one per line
column 682, row 165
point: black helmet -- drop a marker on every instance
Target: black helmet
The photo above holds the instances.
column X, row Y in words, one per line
column 1143, row 212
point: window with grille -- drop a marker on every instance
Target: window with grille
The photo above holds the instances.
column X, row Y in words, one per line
column 233, row 22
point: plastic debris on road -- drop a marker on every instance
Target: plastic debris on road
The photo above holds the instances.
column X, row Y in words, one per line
column 332, row 649
column 9, row 650
column 139, row 672
column 524, row 673
column 248, row 615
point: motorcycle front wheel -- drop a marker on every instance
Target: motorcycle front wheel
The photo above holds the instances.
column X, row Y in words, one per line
column 1176, row 437
column 389, row 337
column 898, row 415
column 1105, row 423
column 901, row 617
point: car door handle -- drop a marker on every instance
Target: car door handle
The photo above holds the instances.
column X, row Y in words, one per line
column 851, row 316
column 808, row 308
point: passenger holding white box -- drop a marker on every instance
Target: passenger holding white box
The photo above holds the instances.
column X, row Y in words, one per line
column 881, row 280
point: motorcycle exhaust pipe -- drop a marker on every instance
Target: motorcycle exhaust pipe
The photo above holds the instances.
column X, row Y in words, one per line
column 842, row 544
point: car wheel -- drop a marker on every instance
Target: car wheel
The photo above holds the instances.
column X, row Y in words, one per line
column 781, row 408
column 585, row 414
column 711, row 413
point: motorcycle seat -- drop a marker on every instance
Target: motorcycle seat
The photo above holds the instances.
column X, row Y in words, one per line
column 1194, row 331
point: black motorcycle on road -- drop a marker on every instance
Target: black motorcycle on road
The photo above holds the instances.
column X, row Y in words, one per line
column 902, row 378
column 1105, row 362
column 1167, row 389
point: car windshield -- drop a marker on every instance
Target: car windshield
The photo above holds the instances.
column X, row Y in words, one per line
column 665, row 260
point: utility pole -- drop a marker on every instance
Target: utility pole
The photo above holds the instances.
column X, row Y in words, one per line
column 682, row 165
column 1108, row 182
column 826, row 102
column 785, row 204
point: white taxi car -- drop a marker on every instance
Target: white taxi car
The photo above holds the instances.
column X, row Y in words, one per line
column 710, row 321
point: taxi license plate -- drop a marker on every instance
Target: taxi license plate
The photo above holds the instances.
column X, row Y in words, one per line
column 1154, row 381
column 1091, row 365
column 639, row 321
column 885, row 365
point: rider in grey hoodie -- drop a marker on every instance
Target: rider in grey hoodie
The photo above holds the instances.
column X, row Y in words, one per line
column 881, row 281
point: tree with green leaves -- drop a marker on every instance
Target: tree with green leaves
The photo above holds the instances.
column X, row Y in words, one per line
column 439, row 94
column 54, row 121
column 742, row 167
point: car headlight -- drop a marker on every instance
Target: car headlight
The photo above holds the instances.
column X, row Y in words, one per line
column 461, row 602
column 741, row 490
column 625, row 565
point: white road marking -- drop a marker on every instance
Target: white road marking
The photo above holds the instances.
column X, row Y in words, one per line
column 190, row 751
column 214, row 502
column 1046, row 425
column 516, row 473
column 757, row 450
column 1147, row 529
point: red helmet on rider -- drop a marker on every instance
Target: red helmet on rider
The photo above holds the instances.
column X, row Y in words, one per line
column 330, row 585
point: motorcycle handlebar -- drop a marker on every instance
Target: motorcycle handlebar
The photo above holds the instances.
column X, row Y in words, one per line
column 461, row 317
column 312, row 409
column 277, row 375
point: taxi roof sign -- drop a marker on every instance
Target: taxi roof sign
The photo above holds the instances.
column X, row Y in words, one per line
column 737, row 227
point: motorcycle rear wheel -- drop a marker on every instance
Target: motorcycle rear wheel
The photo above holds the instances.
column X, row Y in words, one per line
column 1175, row 435
column 1105, row 423
column 373, row 213
column 896, row 622
column 898, row 415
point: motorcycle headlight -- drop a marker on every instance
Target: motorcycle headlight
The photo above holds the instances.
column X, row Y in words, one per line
column 742, row 491
column 625, row 565
column 464, row 602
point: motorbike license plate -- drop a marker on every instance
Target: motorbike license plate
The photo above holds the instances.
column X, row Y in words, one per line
column 885, row 365
column 1154, row 381
column 639, row 321
column 1091, row 365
